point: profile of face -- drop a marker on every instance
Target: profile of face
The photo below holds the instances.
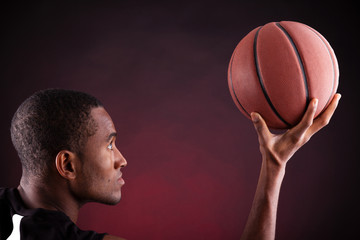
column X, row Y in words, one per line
column 99, row 178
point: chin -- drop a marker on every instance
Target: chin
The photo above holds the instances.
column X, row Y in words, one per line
column 111, row 200
column 112, row 203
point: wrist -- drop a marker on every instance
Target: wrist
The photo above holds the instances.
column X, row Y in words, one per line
column 272, row 172
column 273, row 162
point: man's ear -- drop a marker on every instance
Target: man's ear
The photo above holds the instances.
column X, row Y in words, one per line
column 66, row 163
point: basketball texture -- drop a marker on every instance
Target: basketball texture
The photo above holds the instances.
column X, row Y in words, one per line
column 276, row 70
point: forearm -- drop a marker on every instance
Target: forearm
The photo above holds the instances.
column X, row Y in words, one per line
column 262, row 217
column 276, row 150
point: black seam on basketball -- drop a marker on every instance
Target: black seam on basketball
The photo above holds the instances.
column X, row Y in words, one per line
column 300, row 62
column 333, row 65
column 261, row 81
column 232, row 87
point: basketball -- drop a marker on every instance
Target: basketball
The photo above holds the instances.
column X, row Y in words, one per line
column 276, row 70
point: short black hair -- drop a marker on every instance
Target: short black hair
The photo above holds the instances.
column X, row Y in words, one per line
column 49, row 121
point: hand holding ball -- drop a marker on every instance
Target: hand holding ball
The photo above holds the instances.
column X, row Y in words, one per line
column 278, row 68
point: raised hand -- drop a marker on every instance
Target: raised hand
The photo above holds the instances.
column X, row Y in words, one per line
column 281, row 147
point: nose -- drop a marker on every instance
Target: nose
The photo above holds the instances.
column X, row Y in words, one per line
column 120, row 161
column 123, row 161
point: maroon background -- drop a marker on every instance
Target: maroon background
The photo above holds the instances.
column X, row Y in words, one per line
column 161, row 71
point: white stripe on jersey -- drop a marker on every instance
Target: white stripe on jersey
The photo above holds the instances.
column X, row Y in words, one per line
column 15, row 235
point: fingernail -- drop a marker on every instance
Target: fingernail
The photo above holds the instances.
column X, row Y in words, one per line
column 255, row 117
column 316, row 102
column 338, row 98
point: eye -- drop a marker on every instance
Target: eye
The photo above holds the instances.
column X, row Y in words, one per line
column 110, row 146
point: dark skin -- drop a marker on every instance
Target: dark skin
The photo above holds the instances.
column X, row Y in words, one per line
column 96, row 174
column 74, row 180
column 276, row 151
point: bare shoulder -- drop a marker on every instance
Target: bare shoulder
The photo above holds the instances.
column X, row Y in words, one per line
column 110, row 237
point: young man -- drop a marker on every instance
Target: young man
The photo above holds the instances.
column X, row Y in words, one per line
column 66, row 144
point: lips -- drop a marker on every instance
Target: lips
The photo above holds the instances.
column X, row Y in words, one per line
column 121, row 180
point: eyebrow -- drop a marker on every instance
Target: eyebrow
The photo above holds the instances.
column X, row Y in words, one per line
column 113, row 134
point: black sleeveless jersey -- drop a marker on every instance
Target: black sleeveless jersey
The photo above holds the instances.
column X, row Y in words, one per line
column 19, row 223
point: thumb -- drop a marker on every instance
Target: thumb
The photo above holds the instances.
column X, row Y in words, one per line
column 260, row 127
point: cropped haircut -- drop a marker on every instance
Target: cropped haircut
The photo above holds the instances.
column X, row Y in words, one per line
column 50, row 121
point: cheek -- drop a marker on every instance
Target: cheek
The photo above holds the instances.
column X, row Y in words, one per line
column 102, row 187
column 100, row 176
column 98, row 166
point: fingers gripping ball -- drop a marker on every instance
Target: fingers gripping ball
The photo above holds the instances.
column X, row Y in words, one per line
column 278, row 68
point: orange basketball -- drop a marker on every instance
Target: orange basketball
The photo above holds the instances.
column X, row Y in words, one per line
column 278, row 68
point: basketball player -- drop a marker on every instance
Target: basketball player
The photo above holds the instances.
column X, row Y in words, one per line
column 66, row 144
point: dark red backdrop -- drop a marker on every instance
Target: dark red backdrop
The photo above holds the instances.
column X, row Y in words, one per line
column 161, row 71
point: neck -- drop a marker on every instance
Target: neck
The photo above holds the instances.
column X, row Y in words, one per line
column 48, row 194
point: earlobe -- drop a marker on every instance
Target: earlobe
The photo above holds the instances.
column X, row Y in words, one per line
column 65, row 164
